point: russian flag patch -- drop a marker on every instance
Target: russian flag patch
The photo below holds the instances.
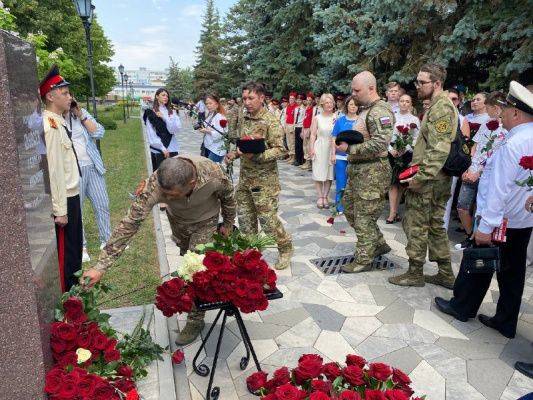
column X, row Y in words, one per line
column 385, row 122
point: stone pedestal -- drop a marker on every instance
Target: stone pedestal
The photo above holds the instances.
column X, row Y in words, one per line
column 29, row 276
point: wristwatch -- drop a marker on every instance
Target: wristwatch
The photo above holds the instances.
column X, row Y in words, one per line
column 531, row 207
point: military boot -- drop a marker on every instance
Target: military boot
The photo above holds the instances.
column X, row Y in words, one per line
column 382, row 249
column 190, row 332
column 284, row 260
column 443, row 278
column 355, row 267
column 305, row 165
column 413, row 277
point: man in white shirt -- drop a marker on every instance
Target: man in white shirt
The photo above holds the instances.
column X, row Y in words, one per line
column 506, row 200
column 393, row 96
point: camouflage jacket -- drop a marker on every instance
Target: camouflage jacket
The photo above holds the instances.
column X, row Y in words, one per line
column 262, row 168
column 437, row 132
column 379, row 124
column 213, row 194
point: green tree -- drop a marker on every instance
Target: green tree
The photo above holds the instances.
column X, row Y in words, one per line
column 208, row 68
column 180, row 81
column 58, row 21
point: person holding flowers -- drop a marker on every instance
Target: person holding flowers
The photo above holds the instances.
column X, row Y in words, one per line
column 510, row 185
column 196, row 191
column 215, row 128
column 401, row 151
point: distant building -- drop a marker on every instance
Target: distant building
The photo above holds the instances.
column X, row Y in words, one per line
column 144, row 76
column 142, row 83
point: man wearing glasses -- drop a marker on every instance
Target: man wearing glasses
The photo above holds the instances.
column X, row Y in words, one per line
column 429, row 189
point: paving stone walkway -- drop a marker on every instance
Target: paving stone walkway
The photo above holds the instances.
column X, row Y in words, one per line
column 335, row 315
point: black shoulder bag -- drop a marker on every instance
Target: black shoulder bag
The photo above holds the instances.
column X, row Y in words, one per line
column 459, row 159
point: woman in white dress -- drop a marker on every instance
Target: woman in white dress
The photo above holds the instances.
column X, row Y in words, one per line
column 321, row 151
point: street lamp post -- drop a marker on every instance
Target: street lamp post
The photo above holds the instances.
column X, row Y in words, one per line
column 132, row 92
column 121, row 71
column 85, row 10
column 126, row 77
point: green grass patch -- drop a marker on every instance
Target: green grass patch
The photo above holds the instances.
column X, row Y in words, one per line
column 137, row 269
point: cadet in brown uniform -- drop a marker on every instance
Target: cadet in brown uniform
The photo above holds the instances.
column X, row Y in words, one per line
column 196, row 190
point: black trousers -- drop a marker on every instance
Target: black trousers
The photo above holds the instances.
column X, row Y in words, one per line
column 470, row 289
column 157, row 158
column 69, row 244
column 298, row 146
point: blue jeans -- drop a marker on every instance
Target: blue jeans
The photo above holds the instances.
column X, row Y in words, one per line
column 214, row 157
column 340, row 181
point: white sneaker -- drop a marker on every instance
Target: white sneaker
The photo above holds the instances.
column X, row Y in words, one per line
column 85, row 256
column 102, row 245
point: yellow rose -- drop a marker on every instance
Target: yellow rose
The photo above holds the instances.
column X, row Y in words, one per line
column 83, row 355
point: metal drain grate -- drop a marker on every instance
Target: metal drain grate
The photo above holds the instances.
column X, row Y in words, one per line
column 332, row 265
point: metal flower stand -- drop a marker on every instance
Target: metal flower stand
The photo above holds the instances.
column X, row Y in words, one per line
column 226, row 310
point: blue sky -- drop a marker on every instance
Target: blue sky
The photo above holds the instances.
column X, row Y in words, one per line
column 145, row 33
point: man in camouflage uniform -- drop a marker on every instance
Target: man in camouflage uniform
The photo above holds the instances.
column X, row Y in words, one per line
column 429, row 189
column 258, row 188
column 369, row 173
column 195, row 190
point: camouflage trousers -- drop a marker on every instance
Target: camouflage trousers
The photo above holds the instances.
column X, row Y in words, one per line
column 422, row 223
column 291, row 140
column 260, row 204
column 364, row 201
column 187, row 237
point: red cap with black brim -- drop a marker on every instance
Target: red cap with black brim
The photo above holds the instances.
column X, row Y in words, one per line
column 52, row 81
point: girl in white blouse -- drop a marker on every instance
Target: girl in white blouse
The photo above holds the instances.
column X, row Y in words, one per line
column 215, row 129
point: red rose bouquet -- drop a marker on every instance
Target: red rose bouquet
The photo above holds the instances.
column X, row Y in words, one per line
column 526, row 162
column 404, row 137
column 91, row 361
column 314, row 380
column 232, row 270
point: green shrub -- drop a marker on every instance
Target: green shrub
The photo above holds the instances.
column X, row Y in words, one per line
column 108, row 123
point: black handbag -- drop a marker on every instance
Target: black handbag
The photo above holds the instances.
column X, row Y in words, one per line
column 481, row 260
column 459, row 158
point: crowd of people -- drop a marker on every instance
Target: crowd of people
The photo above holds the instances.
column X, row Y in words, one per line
column 399, row 153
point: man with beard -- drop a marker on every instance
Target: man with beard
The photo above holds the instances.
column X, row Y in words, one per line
column 369, row 172
column 429, row 189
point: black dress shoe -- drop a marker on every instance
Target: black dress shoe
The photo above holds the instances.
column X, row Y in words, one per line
column 487, row 321
column 525, row 368
column 445, row 307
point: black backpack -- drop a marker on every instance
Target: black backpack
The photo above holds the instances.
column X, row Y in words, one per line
column 459, row 159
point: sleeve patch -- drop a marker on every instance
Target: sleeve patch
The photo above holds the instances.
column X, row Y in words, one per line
column 442, row 125
column 385, row 122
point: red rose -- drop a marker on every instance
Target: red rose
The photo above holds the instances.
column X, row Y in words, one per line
column 104, row 391
column 271, row 278
column 353, row 375
column 399, row 376
column 319, row 396
column 352, row 359
column 125, row 371
column 84, row 340
column 68, row 388
column 380, row 371
column 74, row 313
column 412, row 125
column 526, row 162
column 289, row 392
column 63, row 331
column 374, row 395
column 58, row 346
column 320, row 385
column 87, row 384
column 282, row 376
column 349, row 395
column 256, row 381
column 223, row 123
column 474, row 127
column 124, row 385
column 406, row 389
column 493, row 124
column 99, row 341
column 132, row 395
column 111, row 355
column 216, row 261
column 331, row 370
column 178, row 357
column 271, row 396
column 69, row 358
column 173, row 287
column 395, row 394
column 53, row 380
column 330, row 220
column 309, row 367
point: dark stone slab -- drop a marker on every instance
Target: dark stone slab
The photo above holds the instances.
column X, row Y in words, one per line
column 28, row 258
column 326, row 318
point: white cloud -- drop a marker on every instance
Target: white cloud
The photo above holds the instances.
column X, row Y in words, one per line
column 192, row 11
column 154, row 30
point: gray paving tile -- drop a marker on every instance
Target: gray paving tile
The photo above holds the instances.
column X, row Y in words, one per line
column 375, row 347
column 489, row 377
column 230, row 340
column 287, row 318
column 397, row 312
column 405, row 359
column 299, row 268
column 469, row 349
column 382, row 295
column 409, row 333
column 517, row 349
column 325, row 317
column 259, row 330
column 289, row 357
